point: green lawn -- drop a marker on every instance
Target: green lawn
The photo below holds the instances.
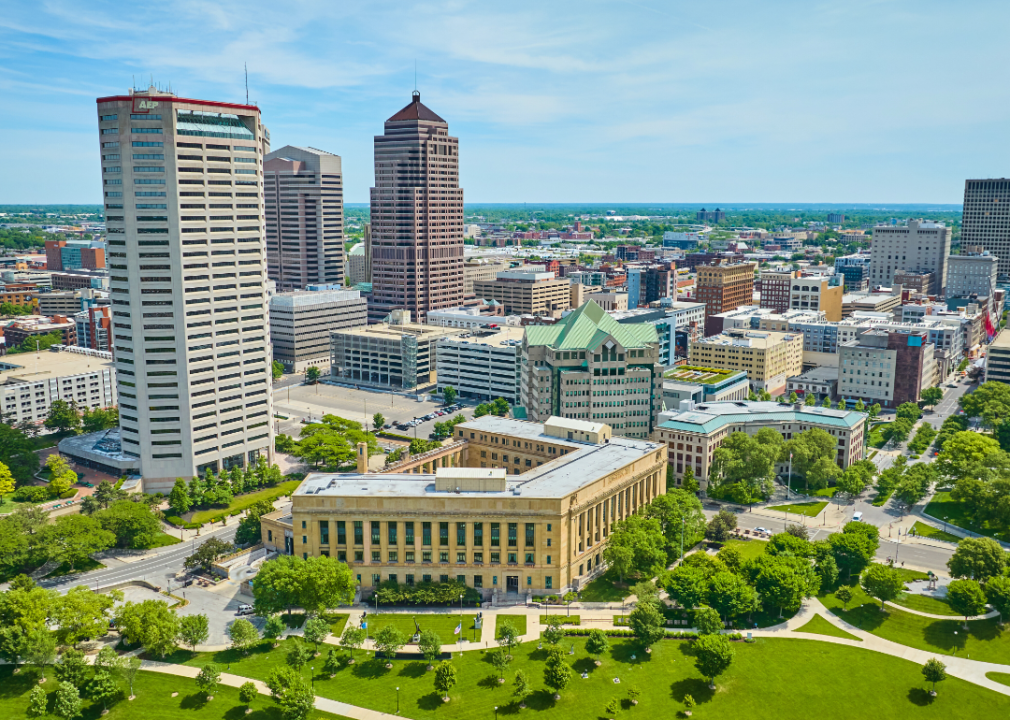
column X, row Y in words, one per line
column 443, row 624
column 565, row 619
column 337, row 622
column 819, row 626
column 163, row 540
column 241, row 502
column 924, row 530
column 925, row 603
column 749, row 549
column 879, row 435
column 983, row 641
column 1003, row 678
column 605, row 588
column 518, row 622
column 942, row 507
column 85, row 566
column 763, row 676
column 798, row 486
column 153, row 700
column 8, row 504
column 810, row 509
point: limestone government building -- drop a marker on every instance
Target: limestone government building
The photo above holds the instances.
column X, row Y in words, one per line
column 506, row 506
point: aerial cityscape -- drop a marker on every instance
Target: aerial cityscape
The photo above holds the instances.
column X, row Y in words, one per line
column 292, row 347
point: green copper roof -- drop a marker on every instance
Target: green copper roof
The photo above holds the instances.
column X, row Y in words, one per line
column 587, row 328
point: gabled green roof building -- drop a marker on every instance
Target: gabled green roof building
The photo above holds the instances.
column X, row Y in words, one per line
column 588, row 366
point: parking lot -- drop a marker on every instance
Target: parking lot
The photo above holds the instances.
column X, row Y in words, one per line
column 311, row 402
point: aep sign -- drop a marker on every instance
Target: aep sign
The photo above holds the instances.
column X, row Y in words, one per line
column 143, row 105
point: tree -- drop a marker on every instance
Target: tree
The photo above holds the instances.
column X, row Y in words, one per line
column 247, row 691
column 553, row 633
column 821, row 474
column 298, row 655
column 557, row 672
column 249, row 529
column 17, row 452
column 72, row 668
column 730, row 595
column 883, row 583
column 99, row 419
column 178, row 499
column 103, row 688
column 597, row 643
column 132, row 523
column 636, row 545
column 687, row 586
column 508, row 636
column 712, row 656
column 331, row 443
column 208, row 679
column 208, row 553
column 977, row 558
column 430, row 645
column 244, row 635
column 900, row 430
column 500, row 661
column 612, row 707
column 449, row 394
column 874, row 410
column 794, row 398
column 647, row 624
column 966, row 598
column 707, row 621
column 689, row 705
column 129, row 670
column 40, row 650
column 331, row 666
column 932, row 396
column 445, row 678
column 810, row 400
column 826, row 402
column 783, row 581
column 378, row 420
column 67, row 704
column 150, row 623
column 193, row 630
column 37, row 703
column 854, row 547
column 844, row 593
column 787, row 543
column 860, row 406
column 934, row 671
column 389, row 640
column 352, row 639
column 316, row 631
column 63, row 416
column 689, row 483
column 851, row 483
column 743, row 467
column 73, row 538
column 6, row 480
column 997, row 593
column 325, row 583
column 273, row 628
column 521, row 688
column 990, row 401
column 82, row 614
column 908, row 410
column 721, row 526
column 277, row 370
column 500, row 407
column 312, row 375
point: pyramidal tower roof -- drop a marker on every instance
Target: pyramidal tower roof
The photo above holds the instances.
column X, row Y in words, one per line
column 416, row 111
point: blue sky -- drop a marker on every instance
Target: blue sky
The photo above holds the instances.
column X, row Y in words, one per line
column 635, row 101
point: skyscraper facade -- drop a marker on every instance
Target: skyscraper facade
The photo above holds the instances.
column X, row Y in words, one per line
column 985, row 219
column 416, row 216
column 918, row 246
column 183, row 192
column 303, row 191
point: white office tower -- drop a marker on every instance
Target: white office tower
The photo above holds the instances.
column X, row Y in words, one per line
column 183, row 187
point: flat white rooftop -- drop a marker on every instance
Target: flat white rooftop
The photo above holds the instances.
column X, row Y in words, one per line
column 36, row 367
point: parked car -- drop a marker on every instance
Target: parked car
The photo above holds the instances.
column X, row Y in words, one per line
column 244, row 609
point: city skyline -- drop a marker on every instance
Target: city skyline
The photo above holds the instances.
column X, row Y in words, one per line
column 634, row 102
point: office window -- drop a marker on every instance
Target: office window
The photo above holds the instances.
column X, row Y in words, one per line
column 478, row 557
column 305, row 539
column 426, row 556
column 375, row 579
column 495, row 558
column 513, row 534
column 359, row 556
column 303, row 525
column 410, row 580
column 548, row 559
column 443, row 533
column 461, row 579
column 478, row 581
column 495, row 535
column 529, row 534
column 341, row 532
column 443, row 578
column 270, row 535
column 548, row 527
column 529, row 580
column 513, row 558
column 548, row 582
column 393, row 557
column 443, row 556
column 324, row 532
column 342, row 555
column 376, row 533
column 359, row 533
column 426, row 578
column 478, row 534
column 409, row 556
column 461, row 557
column 391, row 532
column 461, row 533
column 426, row 534
column 529, row 558
column 408, row 531
column 376, row 556
column 392, row 577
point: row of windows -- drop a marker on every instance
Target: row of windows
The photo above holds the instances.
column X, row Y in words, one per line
column 409, row 556
column 393, row 528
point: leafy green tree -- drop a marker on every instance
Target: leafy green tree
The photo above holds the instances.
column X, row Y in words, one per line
column 909, row 410
column 900, row 430
column 247, row 692
column 445, row 678
column 557, row 671
column 689, row 483
column 874, row 410
column 508, row 636
column 967, row 598
column 883, row 583
column 273, row 628
column 809, row 400
column 553, row 633
column 378, row 420
column 331, row 666
column 854, row 547
column 129, row 670
column 72, row 668
column 932, row 396
column 851, row 483
column 743, row 467
column 312, row 375
column 449, row 394
column 103, row 689
column 67, row 703
column 679, row 512
column 430, row 645
column 713, row 655
column 40, row 650
column 63, row 416
column 243, row 634
column 17, row 452
column 208, row 679
column 990, row 401
column 730, row 595
column 82, row 614
column 208, row 553
column 597, row 643
column 249, row 528
column 978, row 559
column 500, row 661
column 331, row 443
column 826, row 402
column 636, row 545
column 277, row 370
column 997, row 593
column 521, row 688
column 783, row 581
column 788, row 543
column 298, row 656
column 687, row 586
column 131, row 523
column 860, row 406
column 150, row 623
column 794, row 398
column 316, row 631
column 707, row 621
column 934, row 671
column 99, row 419
column 352, row 639
column 73, row 538
column 647, row 624
column 6, row 480
column 721, row 526
column 844, row 593
column 389, row 640
column 500, row 407
column 689, row 705
column 37, row 703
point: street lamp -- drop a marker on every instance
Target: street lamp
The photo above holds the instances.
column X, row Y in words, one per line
column 397, row 701
column 312, row 677
column 461, row 619
column 495, row 712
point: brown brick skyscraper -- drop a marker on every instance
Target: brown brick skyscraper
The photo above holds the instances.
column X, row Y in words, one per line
column 417, row 216
column 723, row 288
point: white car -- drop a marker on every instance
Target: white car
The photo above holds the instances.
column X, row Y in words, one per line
column 244, row 610
column 766, row 531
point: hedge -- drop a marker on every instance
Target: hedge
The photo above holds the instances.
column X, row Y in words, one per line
column 31, row 493
column 179, row 522
column 68, row 494
column 670, row 634
column 430, row 593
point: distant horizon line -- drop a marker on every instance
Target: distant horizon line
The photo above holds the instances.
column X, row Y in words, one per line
column 947, row 207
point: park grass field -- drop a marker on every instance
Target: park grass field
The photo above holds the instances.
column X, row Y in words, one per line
column 246, row 500
column 810, row 509
column 924, row 530
column 819, row 626
column 518, row 622
column 925, row 603
column 943, row 507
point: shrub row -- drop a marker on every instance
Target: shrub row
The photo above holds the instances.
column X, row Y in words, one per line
column 670, row 634
column 179, row 522
column 68, row 494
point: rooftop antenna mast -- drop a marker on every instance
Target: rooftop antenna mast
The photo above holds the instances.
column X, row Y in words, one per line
column 246, row 66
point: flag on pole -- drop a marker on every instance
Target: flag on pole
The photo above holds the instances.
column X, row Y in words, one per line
column 459, row 628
